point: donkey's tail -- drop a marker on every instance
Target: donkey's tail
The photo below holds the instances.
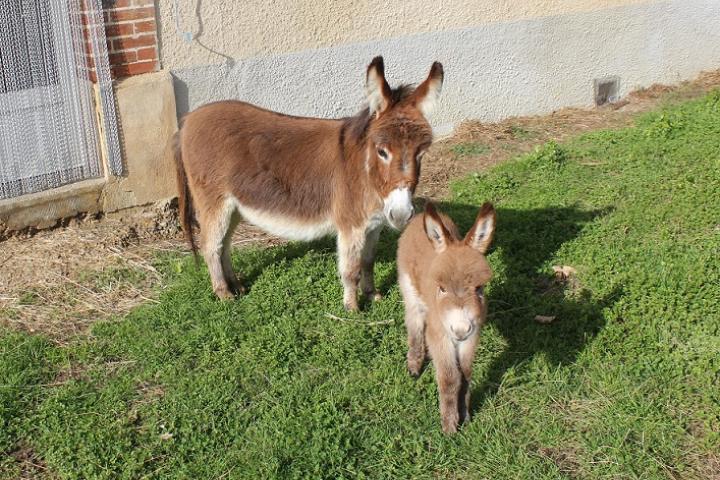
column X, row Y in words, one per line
column 184, row 198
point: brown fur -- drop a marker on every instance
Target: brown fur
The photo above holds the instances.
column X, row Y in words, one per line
column 440, row 277
column 302, row 171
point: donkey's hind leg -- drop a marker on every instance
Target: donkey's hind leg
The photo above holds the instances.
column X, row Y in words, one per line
column 226, row 260
column 213, row 230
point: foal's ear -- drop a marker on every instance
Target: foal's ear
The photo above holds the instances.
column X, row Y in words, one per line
column 480, row 235
column 426, row 94
column 376, row 87
column 435, row 229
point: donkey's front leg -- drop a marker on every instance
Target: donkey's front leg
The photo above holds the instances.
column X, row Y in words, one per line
column 350, row 248
column 367, row 279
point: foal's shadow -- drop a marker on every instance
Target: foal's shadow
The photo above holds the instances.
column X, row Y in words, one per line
column 526, row 240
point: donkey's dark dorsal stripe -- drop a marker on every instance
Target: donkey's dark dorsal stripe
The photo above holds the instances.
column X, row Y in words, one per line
column 303, row 178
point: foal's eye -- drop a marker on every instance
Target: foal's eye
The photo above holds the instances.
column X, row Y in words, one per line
column 480, row 292
column 382, row 153
column 441, row 289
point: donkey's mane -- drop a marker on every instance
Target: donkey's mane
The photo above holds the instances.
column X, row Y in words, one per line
column 355, row 127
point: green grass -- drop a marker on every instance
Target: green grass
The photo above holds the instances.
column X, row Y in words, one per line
column 622, row 385
column 469, row 149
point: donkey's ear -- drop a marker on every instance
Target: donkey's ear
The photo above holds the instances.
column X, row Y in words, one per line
column 426, row 94
column 376, row 87
column 480, row 235
column 435, row 229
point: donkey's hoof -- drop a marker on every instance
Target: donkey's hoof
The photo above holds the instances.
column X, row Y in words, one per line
column 375, row 296
column 239, row 289
column 224, row 294
column 351, row 306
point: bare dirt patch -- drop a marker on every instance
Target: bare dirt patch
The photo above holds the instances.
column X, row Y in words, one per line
column 27, row 465
column 565, row 459
column 60, row 281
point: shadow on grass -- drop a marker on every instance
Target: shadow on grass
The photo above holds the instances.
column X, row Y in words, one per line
column 250, row 270
column 526, row 240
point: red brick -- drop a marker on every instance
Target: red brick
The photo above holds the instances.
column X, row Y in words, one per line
column 83, row 17
column 134, row 69
column 145, row 26
column 123, row 58
column 126, row 43
column 112, row 4
column 116, row 16
column 149, row 53
column 119, row 29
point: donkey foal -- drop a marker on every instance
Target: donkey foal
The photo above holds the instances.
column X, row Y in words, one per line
column 304, row 178
column 442, row 279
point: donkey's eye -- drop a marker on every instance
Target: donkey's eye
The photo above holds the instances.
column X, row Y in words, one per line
column 480, row 292
column 382, row 153
column 441, row 289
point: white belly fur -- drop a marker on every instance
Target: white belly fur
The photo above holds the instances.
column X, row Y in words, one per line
column 285, row 226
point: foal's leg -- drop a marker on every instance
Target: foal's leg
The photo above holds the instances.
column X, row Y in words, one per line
column 350, row 247
column 213, row 228
column 230, row 277
column 466, row 355
column 449, row 381
column 414, row 324
column 367, row 279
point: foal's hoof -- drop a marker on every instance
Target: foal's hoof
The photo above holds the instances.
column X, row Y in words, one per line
column 375, row 296
column 449, row 424
column 414, row 364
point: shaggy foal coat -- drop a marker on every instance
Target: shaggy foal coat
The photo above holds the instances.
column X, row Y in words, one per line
column 442, row 279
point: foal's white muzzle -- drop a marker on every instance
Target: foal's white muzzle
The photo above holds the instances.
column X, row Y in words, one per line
column 460, row 323
column 398, row 207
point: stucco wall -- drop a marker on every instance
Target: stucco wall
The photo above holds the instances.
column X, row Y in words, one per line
column 501, row 58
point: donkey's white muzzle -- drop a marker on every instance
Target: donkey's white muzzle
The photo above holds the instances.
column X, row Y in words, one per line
column 398, row 208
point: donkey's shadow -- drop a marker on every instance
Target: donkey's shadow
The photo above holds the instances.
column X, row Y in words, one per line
column 526, row 241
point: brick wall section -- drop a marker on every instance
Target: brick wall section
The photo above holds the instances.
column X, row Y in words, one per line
column 131, row 32
column 132, row 36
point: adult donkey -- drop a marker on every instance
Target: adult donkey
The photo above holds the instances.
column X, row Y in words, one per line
column 304, row 178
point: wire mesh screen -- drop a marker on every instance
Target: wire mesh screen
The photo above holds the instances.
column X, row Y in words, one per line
column 48, row 130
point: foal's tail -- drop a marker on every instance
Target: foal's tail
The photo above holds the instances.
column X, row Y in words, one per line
column 184, row 198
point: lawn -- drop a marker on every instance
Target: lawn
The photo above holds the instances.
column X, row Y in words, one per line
column 622, row 384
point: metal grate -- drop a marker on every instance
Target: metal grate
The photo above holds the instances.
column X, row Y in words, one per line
column 49, row 135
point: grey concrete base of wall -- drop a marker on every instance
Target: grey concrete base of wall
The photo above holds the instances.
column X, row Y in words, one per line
column 493, row 71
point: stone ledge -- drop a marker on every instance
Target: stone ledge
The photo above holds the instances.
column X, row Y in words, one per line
column 44, row 209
